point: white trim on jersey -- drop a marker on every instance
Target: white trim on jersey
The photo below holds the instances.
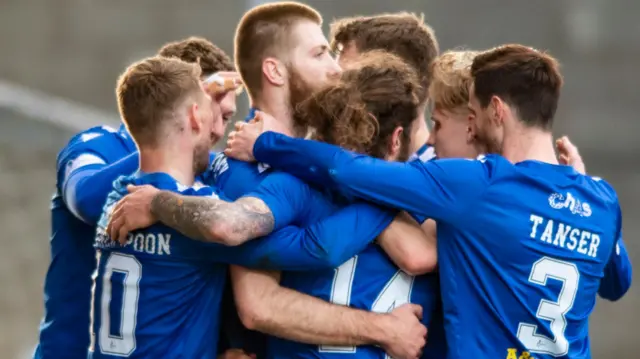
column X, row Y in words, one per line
column 85, row 159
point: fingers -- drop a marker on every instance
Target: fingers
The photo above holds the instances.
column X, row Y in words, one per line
column 116, row 214
column 565, row 146
column 116, row 222
column 122, row 233
column 118, row 228
column 223, row 82
column 416, row 309
column 563, row 159
column 259, row 116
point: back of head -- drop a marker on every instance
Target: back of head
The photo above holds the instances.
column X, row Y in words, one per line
column 150, row 93
column 449, row 88
column 402, row 34
column 370, row 100
column 527, row 80
column 265, row 31
column 208, row 56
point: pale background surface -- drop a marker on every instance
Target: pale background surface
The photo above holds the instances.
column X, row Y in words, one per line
column 76, row 48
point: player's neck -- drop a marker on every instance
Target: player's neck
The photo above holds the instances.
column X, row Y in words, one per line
column 175, row 161
column 529, row 144
column 276, row 107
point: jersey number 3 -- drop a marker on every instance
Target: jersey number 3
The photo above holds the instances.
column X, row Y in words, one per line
column 396, row 292
column 554, row 312
column 122, row 343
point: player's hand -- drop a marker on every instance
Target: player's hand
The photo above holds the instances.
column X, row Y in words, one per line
column 568, row 154
column 220, row 83
column 132, row 212
column 241, row 141
column 408, row 335
column 236, row 354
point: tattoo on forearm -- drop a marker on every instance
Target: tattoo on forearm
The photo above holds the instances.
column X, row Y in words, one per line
column 213, row 220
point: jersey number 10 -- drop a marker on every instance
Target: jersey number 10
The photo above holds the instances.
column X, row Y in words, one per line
column 123, row 343
column 395, row 293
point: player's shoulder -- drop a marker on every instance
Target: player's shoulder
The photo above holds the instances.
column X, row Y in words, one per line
column 90, row 135
column 233, row 177
column 601, row 186
column 485, row 166
column 222, row 165
column 99, row 141
column 597, row 187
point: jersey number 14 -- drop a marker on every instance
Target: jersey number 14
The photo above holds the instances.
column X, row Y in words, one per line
column 396, row 292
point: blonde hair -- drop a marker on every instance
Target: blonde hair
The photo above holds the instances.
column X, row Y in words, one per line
column 148, row 92
column 449, row 88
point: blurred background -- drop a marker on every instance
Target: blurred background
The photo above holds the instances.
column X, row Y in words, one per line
column 60, row 60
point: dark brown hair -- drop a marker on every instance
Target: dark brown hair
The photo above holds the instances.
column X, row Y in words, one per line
column 361, row 111
column 210, row 57
column 262, row 32
column 403, row 34
column 148, row 92
column 526, row 79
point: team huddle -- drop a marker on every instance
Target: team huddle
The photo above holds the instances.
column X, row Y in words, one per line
column 334, row 224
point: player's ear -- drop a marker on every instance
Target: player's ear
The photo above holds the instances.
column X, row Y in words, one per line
column 194, row 117
column 497, row 110
column 395, row 145
column 274, row 71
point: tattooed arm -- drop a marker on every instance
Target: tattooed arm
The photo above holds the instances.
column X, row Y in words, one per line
column 213, row 220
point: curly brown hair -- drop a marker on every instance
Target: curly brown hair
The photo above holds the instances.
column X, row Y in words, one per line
column 201, row 51
column 370, row 100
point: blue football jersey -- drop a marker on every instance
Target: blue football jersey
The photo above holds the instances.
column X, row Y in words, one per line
column 234, row 178
column 368, row 281
column 436, row 347
column 522, row 247
column 159, row 294
column 67, row 285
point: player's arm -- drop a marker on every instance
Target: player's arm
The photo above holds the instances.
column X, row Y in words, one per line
column 277, row 202
column 410, row 246
column 324, row 244
column 440, row 189
column 211, row 219
column 617, row 274
column 266, row 306
column 87, row 180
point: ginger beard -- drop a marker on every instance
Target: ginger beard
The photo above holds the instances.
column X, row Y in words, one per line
column 300, row 90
